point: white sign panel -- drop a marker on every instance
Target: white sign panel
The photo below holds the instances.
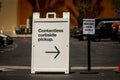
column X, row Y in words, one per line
column 50, row 44
column 89, row 26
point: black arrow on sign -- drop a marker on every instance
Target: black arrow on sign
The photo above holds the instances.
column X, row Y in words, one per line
column 58, row 52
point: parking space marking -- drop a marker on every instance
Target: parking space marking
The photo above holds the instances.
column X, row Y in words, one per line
column 102, row 67
column 8, row 47
column 15, row 67
column 73, row 68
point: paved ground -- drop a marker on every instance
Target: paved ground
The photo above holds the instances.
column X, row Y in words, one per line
column 104, row 53
column 75, row 75
column 15, row 61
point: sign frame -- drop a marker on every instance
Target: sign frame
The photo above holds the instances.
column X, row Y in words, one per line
column 50, row 43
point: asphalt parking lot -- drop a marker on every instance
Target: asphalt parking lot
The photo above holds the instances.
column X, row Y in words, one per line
column 103, row 53
column 15, row 61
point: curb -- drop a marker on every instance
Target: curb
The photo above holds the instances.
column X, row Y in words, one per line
column 24, row 35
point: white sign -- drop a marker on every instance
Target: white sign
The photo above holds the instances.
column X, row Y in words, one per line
column 50, row 44
column 89, row 26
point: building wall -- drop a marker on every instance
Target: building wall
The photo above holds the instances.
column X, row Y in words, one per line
column 15, row 12
column 107, row 10
column 8, row 15
column 24, row 11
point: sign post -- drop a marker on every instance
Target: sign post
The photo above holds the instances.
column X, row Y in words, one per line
column 50, row 43
column 89, row 29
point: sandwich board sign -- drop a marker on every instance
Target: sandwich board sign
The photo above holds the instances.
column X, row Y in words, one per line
column 50, row 43
column 89, row 26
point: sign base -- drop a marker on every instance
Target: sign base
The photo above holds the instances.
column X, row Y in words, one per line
column 88, row 72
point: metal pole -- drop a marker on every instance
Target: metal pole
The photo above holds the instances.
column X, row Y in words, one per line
column 89, row 58
column 89, row 53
